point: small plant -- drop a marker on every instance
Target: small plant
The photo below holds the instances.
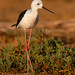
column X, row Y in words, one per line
column 48, row 56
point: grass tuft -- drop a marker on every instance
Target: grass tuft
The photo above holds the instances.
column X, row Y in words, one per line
column 47, row 56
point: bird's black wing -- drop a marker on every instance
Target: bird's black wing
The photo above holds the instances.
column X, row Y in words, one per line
column 36, row 21
column 20, row 16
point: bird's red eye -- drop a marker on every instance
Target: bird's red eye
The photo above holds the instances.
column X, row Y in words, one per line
column 38, row 4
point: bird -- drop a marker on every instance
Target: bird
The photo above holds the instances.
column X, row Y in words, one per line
column 28, row 19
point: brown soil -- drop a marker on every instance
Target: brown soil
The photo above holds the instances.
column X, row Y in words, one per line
column 62, row 30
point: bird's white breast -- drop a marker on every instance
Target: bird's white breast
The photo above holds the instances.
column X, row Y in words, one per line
column 28, row 20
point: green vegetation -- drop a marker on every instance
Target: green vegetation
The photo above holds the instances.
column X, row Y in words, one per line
column 47, row 56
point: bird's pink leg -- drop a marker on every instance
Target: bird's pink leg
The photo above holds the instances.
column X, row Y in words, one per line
column 28, row 49
column 27, row 53
column 29, row 38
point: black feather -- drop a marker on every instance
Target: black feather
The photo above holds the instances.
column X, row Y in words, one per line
column 13, row 25
column 19, row 18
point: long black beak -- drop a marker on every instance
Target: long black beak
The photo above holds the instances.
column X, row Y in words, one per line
column 48, row 10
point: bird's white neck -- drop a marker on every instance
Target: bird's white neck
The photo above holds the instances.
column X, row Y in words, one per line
column 34, row 10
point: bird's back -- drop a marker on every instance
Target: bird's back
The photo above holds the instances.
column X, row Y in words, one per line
column 27, row 19
column 21, row 16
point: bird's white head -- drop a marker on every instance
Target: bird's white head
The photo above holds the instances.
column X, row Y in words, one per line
column 36, row 4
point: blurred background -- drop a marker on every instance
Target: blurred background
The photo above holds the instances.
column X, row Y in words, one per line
column 61, row 25
column 64, row 9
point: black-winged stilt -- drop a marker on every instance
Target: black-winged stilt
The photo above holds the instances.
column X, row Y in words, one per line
column 28, row 20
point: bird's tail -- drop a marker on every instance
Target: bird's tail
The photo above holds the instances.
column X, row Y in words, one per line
column 13, row 25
